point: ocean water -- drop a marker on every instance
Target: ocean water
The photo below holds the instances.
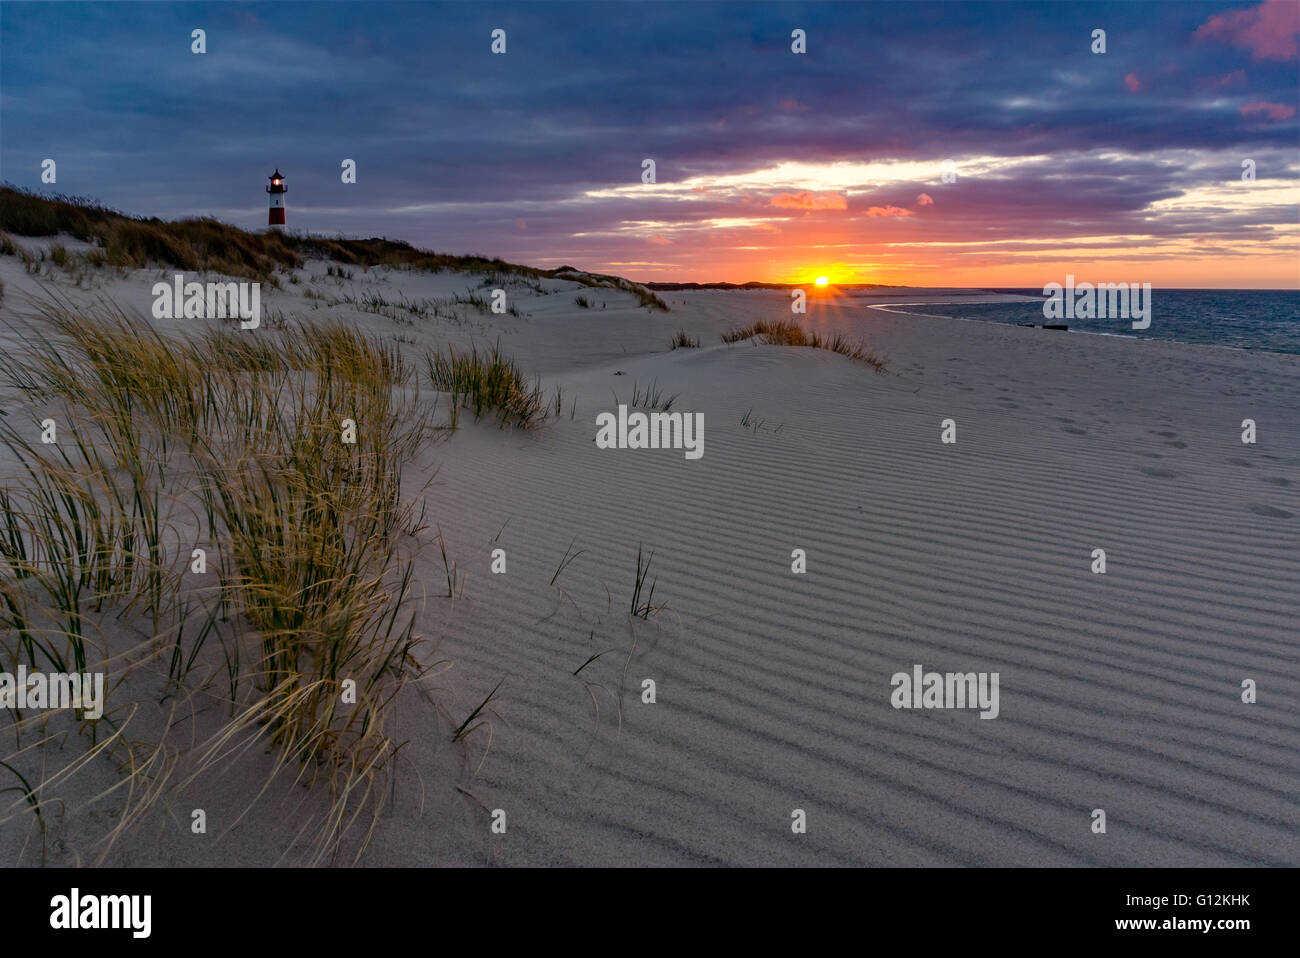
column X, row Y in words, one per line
column 1244, row 319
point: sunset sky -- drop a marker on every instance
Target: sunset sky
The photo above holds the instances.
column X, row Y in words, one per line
column 1122, row 166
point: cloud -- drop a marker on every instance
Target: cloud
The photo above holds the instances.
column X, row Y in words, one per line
column 660, row 240
column 1269, row 31
column 1133, row 83
column 877, row 211
column 1274, row 111
column 790, row 103
column 925, row 199
column 808, row 200
column 1229, row 79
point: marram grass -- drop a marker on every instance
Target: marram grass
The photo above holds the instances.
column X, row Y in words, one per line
column 784, row 332
column 232, row 444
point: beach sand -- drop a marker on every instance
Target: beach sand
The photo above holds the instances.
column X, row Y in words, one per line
column 1119, row 691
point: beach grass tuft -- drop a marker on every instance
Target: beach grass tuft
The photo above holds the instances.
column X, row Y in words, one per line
column 784, row 332
column 489, row 383
column 643, row 606
column 232, row 446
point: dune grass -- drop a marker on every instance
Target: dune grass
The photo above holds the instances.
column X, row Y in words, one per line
column 644, row 296
column 642, row 606
column 789, row 333
column 232, row 445
column 208, row 244
column 650, row 396
column 489, row 383
column 683, row 341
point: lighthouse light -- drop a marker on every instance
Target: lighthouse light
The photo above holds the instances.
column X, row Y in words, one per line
column 275, row 218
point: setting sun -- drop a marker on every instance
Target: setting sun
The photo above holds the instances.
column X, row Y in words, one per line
column 822, row 281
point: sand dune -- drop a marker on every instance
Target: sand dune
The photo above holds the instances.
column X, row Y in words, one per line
column 1119, row 691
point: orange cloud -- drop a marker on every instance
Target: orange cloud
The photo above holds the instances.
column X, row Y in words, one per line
column 808, row 200
column 876, row 211
column 925, row 199
column 1274, row 111
column 660, row 240
column 1133, row 83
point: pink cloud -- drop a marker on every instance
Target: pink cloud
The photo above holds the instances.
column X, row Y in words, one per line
column 660, row 240
column 1269, row 31
column 1274, row 111
column 925, row 199
column 1229, row 79
column 521, row 224
column 876, row 211
column 1133, row 83
column 790, row 103
column 808, row 200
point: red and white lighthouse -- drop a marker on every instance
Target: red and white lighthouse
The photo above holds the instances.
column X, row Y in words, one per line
column 277, row 189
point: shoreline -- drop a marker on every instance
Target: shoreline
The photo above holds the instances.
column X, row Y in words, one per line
column 894, row 309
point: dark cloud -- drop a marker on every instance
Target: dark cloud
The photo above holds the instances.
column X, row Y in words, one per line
column 456, row 147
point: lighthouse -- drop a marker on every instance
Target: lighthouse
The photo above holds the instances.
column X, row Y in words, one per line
column 277, row 190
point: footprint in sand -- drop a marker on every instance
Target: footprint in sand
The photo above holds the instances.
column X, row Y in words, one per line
column 1178, row 444
column 1158, row 473
column 1075, row 430
column 1269, row 512
column 1166, row 435
column 1238, row 461
column 1277, row 481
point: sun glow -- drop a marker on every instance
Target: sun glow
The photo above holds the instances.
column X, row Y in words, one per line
column 821, row 281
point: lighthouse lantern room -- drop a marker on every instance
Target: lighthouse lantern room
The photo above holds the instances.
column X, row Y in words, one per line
column 277, row 190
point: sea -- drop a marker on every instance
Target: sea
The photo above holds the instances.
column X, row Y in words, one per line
column 1267, row 319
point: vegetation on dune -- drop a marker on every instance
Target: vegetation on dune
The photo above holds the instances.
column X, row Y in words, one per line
column 644, row 296
column 237, row 447
column 208, row 244
column 789, row 333
column 683, row 341
column 650, row 397
column 489, row 383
